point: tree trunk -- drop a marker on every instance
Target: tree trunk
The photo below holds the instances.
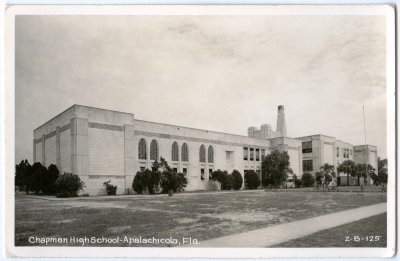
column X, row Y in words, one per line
column 348, row 179
column 358, row 180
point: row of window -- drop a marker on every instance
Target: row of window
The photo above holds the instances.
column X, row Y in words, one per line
column 346, row 153
column 257, row 154
column 154, row 154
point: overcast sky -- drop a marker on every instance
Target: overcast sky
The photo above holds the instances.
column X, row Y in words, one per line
column 209, row 72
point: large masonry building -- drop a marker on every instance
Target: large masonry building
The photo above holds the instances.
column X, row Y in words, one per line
column 101, row 145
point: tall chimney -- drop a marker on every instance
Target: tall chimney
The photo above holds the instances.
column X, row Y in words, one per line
column 281, row 124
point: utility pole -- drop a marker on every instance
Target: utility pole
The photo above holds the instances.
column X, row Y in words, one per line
column 366, row 147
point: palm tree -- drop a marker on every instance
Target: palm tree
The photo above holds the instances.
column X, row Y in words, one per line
column 364, row 170
column 349, row 168
column 328, row 172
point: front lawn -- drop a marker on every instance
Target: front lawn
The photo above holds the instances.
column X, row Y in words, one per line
column 199, row 216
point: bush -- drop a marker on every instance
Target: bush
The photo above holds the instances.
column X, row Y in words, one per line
column 223, row 178
column 251, row 179
column 68, row 185
column 171, row 180
column 237, row 180
column 22, row 173
column 110, row 188
column 138, row 185
column 308, row 180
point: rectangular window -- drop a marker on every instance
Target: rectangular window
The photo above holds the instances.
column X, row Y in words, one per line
column 245, row 153
column 262, row 154
column 257, row 154
column 202, row 174
column 306, row 146
column 251, row 154
column 351, row 152
column 142, row 169
column 345, row 153
column 184, row 170
column 307, row 165
column 175, row 170
column 210, row 173
column 337, row 152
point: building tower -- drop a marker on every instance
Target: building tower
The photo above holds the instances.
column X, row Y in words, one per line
column 281, row 124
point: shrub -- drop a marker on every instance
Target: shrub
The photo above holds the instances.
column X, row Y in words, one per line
column 251, row 179
column 68, row 185
column 223, row 178
column 237, row 180
column 308, row 180
column 297, row 182
column 138, row 182
column 110, row 188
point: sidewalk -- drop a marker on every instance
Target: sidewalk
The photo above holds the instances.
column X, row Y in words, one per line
column 274, row 235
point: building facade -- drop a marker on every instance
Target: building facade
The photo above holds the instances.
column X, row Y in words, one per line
column 320, row 149
column 101, row 145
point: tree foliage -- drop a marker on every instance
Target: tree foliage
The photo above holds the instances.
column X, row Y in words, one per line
column 68, row 185
column 275, row 168
column 237, row 180
column 382, row 171
column 308, row 180
column 251, row 179
column 348, row 167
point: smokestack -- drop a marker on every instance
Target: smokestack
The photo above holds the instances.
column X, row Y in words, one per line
column 281, row 124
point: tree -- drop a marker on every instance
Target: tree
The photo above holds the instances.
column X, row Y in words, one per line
column 237, row 180
column 363, row 170
column 170, row 180
column 22, row 173
column 49, row 179
column 275, row 168
column 308, row 180
column 382, row 170
column 328, row 173
column 36, row 177
column 251, row 179
column 138, row 185
column 348, row 167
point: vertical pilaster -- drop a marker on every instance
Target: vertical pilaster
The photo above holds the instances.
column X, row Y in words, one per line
column 43, row 149
column 79, row 145
column 58, row 156
column 34, row 150
column 129, row 155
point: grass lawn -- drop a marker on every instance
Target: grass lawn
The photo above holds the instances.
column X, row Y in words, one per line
column 199, row 216
column 346, row 235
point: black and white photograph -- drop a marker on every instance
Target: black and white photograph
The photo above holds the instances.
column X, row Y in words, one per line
column 200, row 131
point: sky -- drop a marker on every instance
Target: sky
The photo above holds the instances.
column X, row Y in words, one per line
column 220, row 73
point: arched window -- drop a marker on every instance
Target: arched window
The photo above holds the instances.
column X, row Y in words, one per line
column 210, row 154
column 153, row 150
column 142, row 149
column 185, row 153
column 202, row 153
column 175, row 151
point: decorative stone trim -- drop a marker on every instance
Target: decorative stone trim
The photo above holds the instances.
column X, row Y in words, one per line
column 193, row 139
column 102, row 126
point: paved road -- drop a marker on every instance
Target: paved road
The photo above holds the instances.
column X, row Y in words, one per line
column 274, row 235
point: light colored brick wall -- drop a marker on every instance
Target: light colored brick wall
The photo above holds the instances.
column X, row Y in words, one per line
column 50, row 151
column 106, row 152
column 65, row 152
column 39, row 152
